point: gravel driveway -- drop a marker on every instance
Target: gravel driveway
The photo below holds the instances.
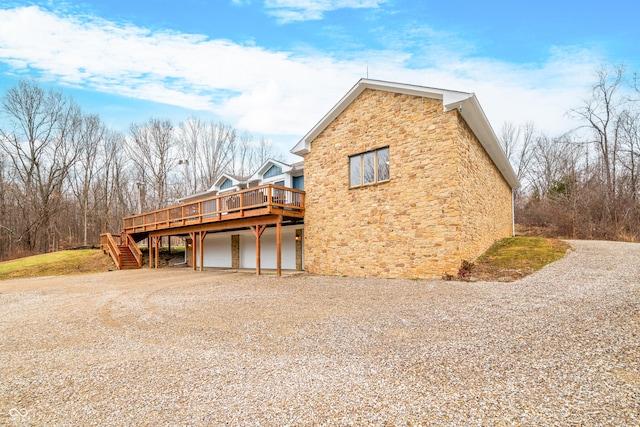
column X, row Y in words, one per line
column 177, row 347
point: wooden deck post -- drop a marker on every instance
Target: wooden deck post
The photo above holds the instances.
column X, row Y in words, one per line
column 257, row 231
column 279, row 247
column 193, row 250
column 150, row 246
column 157, row 248
column 203, row 234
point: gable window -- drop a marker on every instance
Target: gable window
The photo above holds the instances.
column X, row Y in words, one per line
column 272, row 171
column 369, row 167
column 226, row 184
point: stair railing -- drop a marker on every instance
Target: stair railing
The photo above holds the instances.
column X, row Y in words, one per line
column 133, row 247
column 108, row 243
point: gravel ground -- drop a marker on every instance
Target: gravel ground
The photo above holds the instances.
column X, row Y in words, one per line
column 177, row 347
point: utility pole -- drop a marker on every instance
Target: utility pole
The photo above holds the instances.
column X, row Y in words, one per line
column 187, row 187
column 140, row 186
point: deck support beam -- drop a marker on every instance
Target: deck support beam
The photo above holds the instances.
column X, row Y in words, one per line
column 197, row 234
column 279, row 247
column 193, row 249
column 150, row 247
column 154, row 251
column 203, row 234
column 257, row 231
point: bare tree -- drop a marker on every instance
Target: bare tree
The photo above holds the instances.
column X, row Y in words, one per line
column 89, row 133
column 207, row 148
column 553, row 160
column 41, row 150
column 152, row 150
column 600, row 114
column 263, row 152
column 248, row 156
column 65, row 177
column 241, row 154
column 113, row 188
column 629, row 133
column 517, row 143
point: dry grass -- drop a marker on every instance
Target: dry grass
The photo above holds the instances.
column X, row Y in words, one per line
column 56, row 264
column 515, row 257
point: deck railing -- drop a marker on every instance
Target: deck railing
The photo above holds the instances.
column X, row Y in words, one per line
column 244, row 203
column 126, row 239
column 108, row 244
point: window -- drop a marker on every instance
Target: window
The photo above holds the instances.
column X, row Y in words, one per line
column 298, row 182
column 369, row 167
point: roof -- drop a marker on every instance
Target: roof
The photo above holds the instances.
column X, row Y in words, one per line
column 235, row 179
column 257, row 176
column 196, row 196
column 466, row 103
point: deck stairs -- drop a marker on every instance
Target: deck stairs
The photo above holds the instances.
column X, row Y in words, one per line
column 127, row 260
column 121, row 253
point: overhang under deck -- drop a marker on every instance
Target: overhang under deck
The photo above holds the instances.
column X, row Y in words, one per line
column 254, row 208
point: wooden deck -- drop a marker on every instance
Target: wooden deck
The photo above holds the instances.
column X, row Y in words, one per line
column 253, row 208
column 256, row 202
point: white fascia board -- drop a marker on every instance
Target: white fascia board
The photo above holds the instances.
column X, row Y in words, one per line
column 220, row 180
column 448, row 97
column 473, row 114
column 216, row 185
column 466, row 103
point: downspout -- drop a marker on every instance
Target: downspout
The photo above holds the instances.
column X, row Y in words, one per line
column 513, row 212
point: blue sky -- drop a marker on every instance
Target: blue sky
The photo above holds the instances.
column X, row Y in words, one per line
column 275, row 67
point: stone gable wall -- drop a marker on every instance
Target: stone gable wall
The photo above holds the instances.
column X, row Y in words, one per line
column 436, row 209
column 406, row 227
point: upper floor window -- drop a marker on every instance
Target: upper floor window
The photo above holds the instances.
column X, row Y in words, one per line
column 272, row 171
column 369, row 167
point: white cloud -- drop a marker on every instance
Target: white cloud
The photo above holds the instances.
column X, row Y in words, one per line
column 240, row 83
column 268, row 92
column 310, row 10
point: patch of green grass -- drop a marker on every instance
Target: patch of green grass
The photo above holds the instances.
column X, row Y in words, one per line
column 515, row 257
column 56, row 264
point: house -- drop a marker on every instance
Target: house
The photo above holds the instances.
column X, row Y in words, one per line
column 236, row 248
column 399, row 181
column 403, row 181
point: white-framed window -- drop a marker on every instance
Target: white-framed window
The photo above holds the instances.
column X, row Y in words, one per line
column 369, row 167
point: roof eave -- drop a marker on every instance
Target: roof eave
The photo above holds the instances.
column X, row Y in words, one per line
column 473, row 114
column 466, row 103
column 303, row 147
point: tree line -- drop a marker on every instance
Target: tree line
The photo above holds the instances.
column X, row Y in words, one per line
column 584, row 183
column 65, row 176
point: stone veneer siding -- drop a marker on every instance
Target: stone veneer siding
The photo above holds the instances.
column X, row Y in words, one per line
column 409, row 226
column 299, row 240
column 235, row 251
column 486, row 207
